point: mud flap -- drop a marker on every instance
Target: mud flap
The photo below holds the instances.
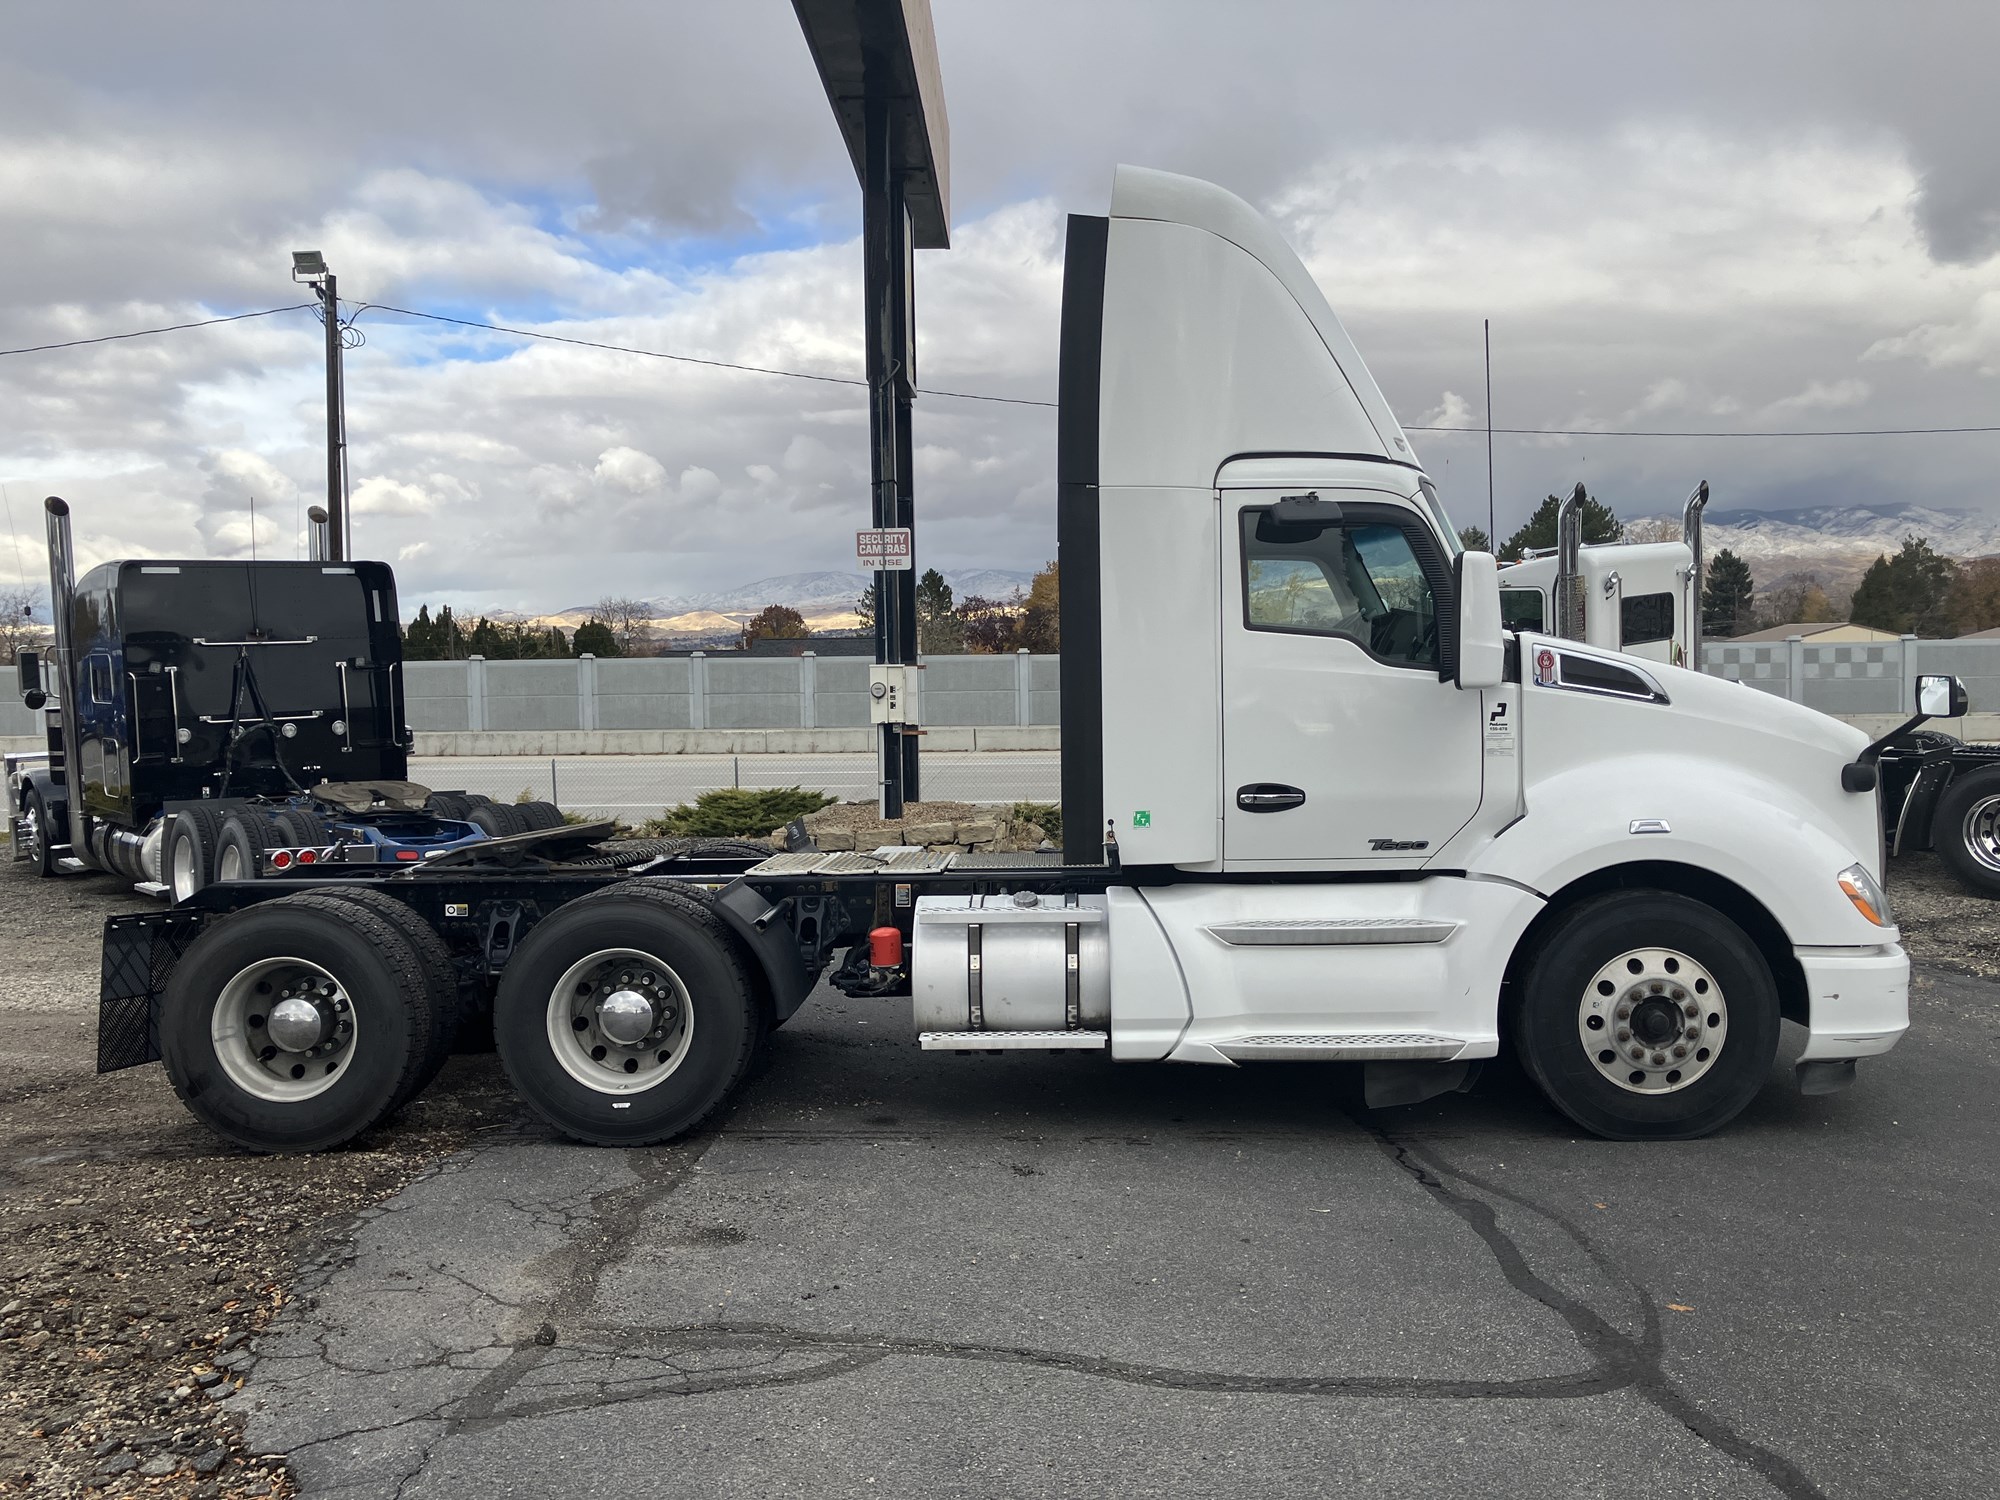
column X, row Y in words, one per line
column 1387, row 1084
column 140, row 954
column 1827, row 1076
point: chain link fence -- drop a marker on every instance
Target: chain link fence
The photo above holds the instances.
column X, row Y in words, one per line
column 633, row 788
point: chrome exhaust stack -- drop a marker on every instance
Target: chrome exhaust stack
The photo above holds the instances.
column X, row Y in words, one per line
column 1569, row 575
column 316, row 529
column 62, row 604
column 1691, row 534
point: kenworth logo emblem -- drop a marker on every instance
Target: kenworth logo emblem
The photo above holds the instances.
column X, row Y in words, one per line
column 1382, row 844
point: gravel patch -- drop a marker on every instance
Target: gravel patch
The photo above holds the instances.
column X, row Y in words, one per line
column 140, row 1258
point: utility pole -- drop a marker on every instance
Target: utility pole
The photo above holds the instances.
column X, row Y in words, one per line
column 878, row 62
column 310, row 267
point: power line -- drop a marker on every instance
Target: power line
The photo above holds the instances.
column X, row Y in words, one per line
column 140, row 333
column 855, row 380
column 687, row 359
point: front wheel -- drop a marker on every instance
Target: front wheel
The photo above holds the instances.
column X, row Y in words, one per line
column 625, row 1018
column 1965, row 829
column 38, row 831
column 1647, row 1016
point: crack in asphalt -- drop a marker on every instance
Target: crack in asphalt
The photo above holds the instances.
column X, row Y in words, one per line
column 1636, row 1360
column 604, row 1229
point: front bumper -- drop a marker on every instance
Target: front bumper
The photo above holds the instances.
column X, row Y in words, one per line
column 1858, row 1000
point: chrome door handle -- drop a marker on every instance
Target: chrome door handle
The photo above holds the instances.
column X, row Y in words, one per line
column 1268, row 797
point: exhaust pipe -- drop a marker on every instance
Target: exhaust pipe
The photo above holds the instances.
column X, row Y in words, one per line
column 1569, row 575
column 62, row 602
column 1691, row 534
column 316, row 533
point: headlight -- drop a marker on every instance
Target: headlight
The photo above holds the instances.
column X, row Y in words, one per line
column 1867, row 895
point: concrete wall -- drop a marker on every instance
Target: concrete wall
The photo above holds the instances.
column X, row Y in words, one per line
column 1861, row 678
column 726, row 692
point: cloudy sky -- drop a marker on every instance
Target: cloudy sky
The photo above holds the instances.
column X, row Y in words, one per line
column 1704, row 217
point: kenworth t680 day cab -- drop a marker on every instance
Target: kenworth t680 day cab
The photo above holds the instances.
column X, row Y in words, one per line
column 1320, row 805
column 212, row 720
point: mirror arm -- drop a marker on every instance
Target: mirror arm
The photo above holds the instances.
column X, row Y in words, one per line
column 1873, row 753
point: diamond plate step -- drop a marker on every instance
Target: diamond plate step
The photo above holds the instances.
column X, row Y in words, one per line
column 1013, row 1041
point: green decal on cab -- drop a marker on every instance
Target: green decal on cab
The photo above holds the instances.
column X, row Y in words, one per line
column 1142, row 819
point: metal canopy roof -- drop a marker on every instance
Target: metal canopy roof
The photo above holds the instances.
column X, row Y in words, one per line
column 886, row 51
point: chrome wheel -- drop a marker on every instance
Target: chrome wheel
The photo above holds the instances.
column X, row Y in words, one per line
column 229, row 863
column 29, row 831
column 1981, row 832
column 283, row 1029
column 186, row 880
column 620, row 1021
column 1653, row 1020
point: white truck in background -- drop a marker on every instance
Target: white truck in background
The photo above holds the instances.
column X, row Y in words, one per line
column 1642, row 598
column 1321, row 805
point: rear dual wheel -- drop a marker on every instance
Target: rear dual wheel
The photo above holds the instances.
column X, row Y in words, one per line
column 302, row 1022
column 1646, row 1015
column 627, row 1018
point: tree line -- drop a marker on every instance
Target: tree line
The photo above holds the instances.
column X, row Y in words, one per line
column 978, row 626
column 615, row 627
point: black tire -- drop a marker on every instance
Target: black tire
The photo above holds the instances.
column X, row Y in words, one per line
column 300, row 828
column 239, row 851
column 384, row 983
column 444, row 988
column 42, row 848
column 455, row 807
column 676, row 932
column 187, row 859
column 537, row 816
column 1559, row 995
column 497, row 819
column 1965, row 829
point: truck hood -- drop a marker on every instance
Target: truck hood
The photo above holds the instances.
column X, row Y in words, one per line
column 1710, row 736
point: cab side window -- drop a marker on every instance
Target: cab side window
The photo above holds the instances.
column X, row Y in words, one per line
column 1522, row 609
column 1358, row 580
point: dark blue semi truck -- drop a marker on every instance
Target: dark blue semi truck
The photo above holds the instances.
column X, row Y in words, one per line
column 226, row 721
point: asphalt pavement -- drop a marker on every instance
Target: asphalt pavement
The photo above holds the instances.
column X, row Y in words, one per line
column 893, row 1273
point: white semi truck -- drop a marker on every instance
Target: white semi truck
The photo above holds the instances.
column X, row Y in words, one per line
column 1320, row 805
column 1643, row 598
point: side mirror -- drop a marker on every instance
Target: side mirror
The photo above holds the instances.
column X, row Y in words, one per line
column 28, row 664
column 1941, row 697
column 1482, row 639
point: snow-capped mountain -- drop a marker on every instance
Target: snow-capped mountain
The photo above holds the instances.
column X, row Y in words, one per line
column 1832, row 544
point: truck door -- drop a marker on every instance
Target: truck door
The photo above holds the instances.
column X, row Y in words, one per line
column 1341, row 747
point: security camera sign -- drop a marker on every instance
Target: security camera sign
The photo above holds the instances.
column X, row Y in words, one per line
column 885, row 547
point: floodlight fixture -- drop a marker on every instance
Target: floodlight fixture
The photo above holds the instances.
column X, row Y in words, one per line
column 307, row 265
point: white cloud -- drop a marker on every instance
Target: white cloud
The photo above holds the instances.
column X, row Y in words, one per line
column 383, row 496
column 629, row 470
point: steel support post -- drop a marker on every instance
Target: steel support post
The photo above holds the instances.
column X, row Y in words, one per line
column 886, row 242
